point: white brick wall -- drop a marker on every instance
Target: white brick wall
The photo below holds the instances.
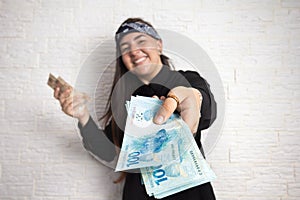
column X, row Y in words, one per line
column 254, row 44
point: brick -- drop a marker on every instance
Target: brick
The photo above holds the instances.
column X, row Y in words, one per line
column 49, row 22
column 288, row 138
column 249, row 61
column 99, row 179
column 219, row 152
column 289, row 18
column 93, row 28
column 289, row 198
column 59, row 197
column 17, row 190
column 217, row 17
column 290, row 3
column 294, row 189
column 279, row 173
column 12, row 145
column 252, row 4
column 3, row 45
column 230, row 46
column 284, row 153
column 63, row 4
column 181, row 15
column 64, row 174
column 20, row 173
column 56, row 122
column 292, row 121
column 56, row 60
column 14, row 83
column 251, row 23
column 68, row 46
column 98, row 187
column 258, row 154
column 297, row 172
column 272, row 46
column 11, row 28
column 225, row 189
column 40, row 149
column 2, row 108
column 262, row 187
column 181, row 5
column 269, row 197
column 236, row 172
column 10, row 10
column 22, row 110
column 264, row 91
column 73, row 151
column 290, row 60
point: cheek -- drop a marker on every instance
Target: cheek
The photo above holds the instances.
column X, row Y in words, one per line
column 127, row 61
column 155, row 56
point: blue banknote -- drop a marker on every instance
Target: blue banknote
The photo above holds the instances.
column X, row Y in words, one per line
column 167, row 155
column 193, row 170
column 145, row 143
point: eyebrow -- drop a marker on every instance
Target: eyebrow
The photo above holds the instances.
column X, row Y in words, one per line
column 135, row 38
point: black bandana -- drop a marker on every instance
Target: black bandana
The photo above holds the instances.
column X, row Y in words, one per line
column 135, row 27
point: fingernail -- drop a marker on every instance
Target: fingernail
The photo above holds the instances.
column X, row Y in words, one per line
column 159, row 119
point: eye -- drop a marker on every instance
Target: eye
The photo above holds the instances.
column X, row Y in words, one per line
column 124, row 49
column 141, row 41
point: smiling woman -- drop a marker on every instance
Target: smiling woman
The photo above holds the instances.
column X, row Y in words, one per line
column 142, row 69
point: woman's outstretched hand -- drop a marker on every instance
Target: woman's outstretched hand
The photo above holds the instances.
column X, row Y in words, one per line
column 73, row 103
column 185, row 100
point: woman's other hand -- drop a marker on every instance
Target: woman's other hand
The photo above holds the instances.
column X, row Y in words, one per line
column 73, row 103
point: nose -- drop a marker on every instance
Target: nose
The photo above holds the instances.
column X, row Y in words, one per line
column 134, row 50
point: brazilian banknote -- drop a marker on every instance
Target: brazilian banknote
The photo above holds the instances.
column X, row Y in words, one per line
column 166, row 155
column 145, row 143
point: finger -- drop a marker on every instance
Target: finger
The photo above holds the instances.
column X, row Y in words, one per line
column 66, row 102
column 56, row 93
column 191, row 118
column 154, row 96
column 66, row 93
column 162, row 98
column 65, row 96
column 165, row 111
column 69, row 110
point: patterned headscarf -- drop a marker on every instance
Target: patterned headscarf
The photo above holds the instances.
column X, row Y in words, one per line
column 135, row 27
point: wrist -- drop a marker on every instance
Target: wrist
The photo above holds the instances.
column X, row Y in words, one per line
column 84, row 119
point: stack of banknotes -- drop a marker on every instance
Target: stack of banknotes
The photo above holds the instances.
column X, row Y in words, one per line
column 166, row 155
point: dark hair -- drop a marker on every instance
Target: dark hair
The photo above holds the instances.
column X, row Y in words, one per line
column 120, row 70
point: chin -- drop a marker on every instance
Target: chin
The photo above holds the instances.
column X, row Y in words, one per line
column 141, row 70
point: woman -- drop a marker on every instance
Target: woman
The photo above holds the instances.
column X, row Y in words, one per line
column 143, row 70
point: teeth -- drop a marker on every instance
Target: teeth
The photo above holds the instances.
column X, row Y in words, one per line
column 139, row 60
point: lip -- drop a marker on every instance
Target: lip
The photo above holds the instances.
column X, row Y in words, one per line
column 139, row 60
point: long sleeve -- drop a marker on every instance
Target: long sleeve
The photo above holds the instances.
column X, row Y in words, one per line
column 95, row 141
column 209, row 105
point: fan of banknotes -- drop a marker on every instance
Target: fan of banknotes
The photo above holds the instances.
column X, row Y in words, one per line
column 166, row 155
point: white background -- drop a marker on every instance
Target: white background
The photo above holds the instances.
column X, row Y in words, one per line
column 255, row 47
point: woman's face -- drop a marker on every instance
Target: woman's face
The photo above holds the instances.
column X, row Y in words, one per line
column 141, row 55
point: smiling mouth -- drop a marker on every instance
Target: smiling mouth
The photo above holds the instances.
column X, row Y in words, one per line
column 140, row 60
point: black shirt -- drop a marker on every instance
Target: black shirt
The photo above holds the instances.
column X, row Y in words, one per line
column 100, row 142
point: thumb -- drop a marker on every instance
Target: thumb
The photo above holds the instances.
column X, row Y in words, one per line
column 165, row 111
